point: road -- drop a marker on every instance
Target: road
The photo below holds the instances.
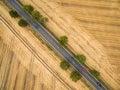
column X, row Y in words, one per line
column 49, row 38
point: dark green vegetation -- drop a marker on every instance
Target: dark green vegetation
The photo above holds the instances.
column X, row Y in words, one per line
column 63, row 40
column 95, row 73
column 80, row 58
column 43, row 20
column 35, row 15
column 22, row 23
column 28, row 8
column 75, row 76
column 13, row 13
column 64, row 65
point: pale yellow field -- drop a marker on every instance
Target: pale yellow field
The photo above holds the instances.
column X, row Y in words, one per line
column 92, row 27
column 101, row 19
column 19, row 68
column 26, row 63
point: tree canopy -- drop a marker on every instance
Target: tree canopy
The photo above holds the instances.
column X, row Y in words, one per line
column 95, row 73
column 80, row 58
column 35, row 14
column 75, row 76
column 63, row 40
column 43, row 20
column 64, row 65
column 28, row 8
column 22, row 23
column 13, row 14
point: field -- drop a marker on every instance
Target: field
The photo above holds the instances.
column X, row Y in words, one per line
column 26, row 63
column 101, row 18
column 92, row 27
column 20, row 69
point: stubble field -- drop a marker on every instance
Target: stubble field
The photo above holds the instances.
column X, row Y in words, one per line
column 27, row 63
column 93, row 29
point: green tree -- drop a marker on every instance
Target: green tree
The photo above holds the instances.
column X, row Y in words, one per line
column 64, row 65
column 63, row 40
column 75, row 76
column 95, row 73
column 43, row 20
column 13, row 14
column 28, row 8
column 35, row 14
column 80, row 58
column 22, row 23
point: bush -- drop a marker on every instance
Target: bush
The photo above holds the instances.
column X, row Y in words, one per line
column 43, row 20
column 22, row 23
column 75, row 76
column 81, row 58
column 28, row 8
column 35, row 14
column 95, row 73
column 63, row 40
column 13, row 14
column 64, row 65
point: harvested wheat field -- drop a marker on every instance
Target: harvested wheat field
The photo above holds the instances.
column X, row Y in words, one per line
column 20, row 69
column 26, row 63
column 92, row 27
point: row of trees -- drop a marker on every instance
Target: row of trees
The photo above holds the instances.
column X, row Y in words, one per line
column 21, row 22
column 63, row 41
column 82, row 59
column 75, row 76
column 35, row 14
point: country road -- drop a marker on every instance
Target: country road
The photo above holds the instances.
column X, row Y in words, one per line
column 55, row 44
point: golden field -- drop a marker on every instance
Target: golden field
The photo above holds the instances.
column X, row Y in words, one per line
column 27, row 63
column 92, row 27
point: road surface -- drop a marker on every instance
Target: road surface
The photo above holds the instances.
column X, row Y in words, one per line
column 56, row 45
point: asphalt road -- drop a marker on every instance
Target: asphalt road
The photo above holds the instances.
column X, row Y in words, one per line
column 56, row 45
